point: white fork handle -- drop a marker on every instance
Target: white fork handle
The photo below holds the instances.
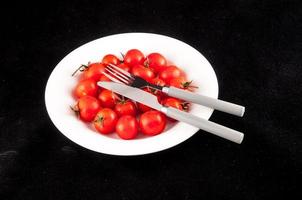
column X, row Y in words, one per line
column 211, row 127
column 217, row 104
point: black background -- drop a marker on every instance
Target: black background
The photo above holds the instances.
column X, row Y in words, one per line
column 255, row 49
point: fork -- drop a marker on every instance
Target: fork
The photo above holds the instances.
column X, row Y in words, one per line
column 119, row 75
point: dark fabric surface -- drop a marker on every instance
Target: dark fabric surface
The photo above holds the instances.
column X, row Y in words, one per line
column 255, row 48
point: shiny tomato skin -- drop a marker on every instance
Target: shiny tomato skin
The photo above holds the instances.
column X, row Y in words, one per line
column 125, row 67
column 152, row 123
column 94, row 71
column 143, row 108
column 87, row 87
column 105, row 121
column 170, row 73
column 143, row 72
column 87, row 107
column 127, row 127
column 158, row 81
column 173, row 102
column 183, row 83
column 104, row 78
column 107, row 98
column 110, row 59
column 156, row 61
column 134, row 57
column 178, row 82
column 125, row 108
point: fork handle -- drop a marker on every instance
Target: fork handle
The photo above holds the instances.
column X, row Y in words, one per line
column 211, row 127
column 217, row 104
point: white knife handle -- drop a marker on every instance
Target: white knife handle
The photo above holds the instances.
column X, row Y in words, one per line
column 204, row 100
column 205, row 125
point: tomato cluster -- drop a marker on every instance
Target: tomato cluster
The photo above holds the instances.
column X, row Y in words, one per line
column 110, row 112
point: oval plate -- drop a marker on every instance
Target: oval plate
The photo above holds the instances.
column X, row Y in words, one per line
column 59, row 87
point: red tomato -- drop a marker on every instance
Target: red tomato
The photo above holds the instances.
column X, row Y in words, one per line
column 87, row 87
column 143, row 72
column 143, row 108
column 175, row 103
column 105, row 121
column 158, row 81
column 104, row 78
column 182, row 83
column 127, row 127
column 125, row 107
column 108, row 98
column 124, row 67
column 156, row 61
column 152, row 122
column 87, row 108
column 94, row 71
column 134, row 57
column 172, row 102
column 170, row 73
column 110, row 59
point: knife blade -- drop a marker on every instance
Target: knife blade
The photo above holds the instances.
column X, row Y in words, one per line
column 135, row 94
column 150, row 100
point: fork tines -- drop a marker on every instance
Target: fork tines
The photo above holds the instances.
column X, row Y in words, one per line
column 117, row 74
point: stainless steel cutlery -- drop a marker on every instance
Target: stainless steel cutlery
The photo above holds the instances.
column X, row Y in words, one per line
column 129, row 86
column 119, row 75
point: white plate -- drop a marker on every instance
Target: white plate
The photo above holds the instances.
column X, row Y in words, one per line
column 58, row 96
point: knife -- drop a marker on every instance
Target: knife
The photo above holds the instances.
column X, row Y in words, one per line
column 150, row 100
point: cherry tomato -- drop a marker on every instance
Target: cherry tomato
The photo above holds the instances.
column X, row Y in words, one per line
column 134, row 57
column 124, row 67
column 143, row 72
column 110, row 59
column 156, row 61
column 142, row 107
column 125, row 107
column 175, row 103
column 170, row 73
column 182, row 83
column 87, row 108
column 108, row 98
column 104, row 78
column 87, row 87
column 94, row 71
column 105, row 121
column 127, row 127
column 152, row 122
column 158, row 81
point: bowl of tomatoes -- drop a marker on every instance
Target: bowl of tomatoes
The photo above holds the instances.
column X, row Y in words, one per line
column 109, row 123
